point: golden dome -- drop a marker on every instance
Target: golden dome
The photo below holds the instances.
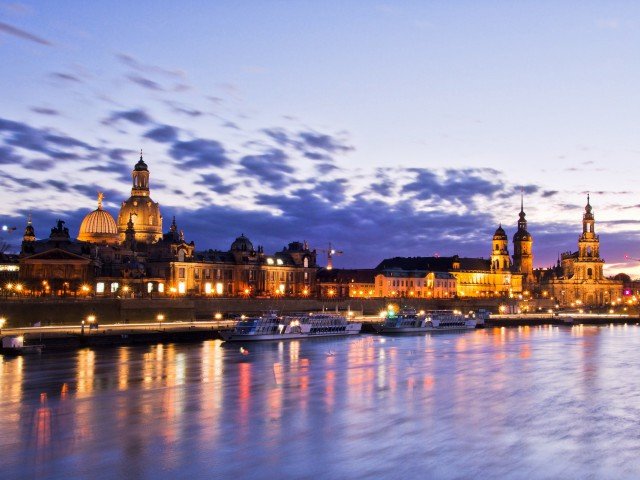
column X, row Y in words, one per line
column 98, row 226
column 146, row 218
column 143, row 212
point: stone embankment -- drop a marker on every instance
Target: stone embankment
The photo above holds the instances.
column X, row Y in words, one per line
column 57, row 311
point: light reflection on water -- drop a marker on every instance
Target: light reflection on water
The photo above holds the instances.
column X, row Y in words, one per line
column 531, row 402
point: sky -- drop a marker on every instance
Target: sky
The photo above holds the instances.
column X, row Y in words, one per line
column 385, row 129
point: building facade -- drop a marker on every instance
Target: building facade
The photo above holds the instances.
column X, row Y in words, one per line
column 578, row 279
column 133, row 257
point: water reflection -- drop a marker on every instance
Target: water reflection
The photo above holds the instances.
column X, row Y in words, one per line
column 490, row 403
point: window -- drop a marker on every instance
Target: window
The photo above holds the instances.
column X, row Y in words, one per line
column 161, row 287
column 305, row 262
column 207, row 288
column 100, row 287
column 114, row 287
column 196, row 273
column 589, row 272
column 182, row 288
column 181, row 273
column 149, row 287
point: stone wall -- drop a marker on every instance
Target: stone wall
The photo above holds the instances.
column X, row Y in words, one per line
column 26, row 312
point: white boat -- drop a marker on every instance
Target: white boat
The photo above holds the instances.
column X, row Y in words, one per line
column 409, row 321
column 274, row 327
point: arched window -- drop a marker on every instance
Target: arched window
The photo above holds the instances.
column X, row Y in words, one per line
column 589, row 272
column 305, row 262
column 181, row 255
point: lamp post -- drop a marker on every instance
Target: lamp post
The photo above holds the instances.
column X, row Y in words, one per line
column 160, row 319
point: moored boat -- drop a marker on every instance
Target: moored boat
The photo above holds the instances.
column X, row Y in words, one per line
column 273, row 327
column 409, row 321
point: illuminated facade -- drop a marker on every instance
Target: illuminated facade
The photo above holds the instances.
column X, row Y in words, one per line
column 132, row 257
column 523, row 249
column 578, row 279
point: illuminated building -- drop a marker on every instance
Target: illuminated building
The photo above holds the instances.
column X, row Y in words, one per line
column 343, row 283
column 99, row 226
column 523, row 248
column 132, row 257
column 140, row 208
column 578, row 278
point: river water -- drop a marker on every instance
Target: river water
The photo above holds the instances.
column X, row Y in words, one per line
column 522, row 403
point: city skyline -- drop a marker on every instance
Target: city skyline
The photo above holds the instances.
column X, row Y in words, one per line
column 378, row 130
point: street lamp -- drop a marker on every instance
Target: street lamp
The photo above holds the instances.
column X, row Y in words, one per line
column 160, row 318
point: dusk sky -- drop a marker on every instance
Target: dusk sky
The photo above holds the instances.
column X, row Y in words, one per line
column 404, row 128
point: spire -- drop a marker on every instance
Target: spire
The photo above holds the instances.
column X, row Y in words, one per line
column 522, row 200
column 173, row 227
column 100, row 198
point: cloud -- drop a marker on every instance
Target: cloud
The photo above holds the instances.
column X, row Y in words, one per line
column 324, row 142
column 188, row 111
column 45, row 111
column 270, row 168
column 458, row 186
column 67, row 77
column 199, row 153
column 145, row 83
column 40, row 140
column 8, row 156
column 163, row 134
column 135, row 64
column 136, row 116
column 214, row 183
column 23, row 34
column 308, row 140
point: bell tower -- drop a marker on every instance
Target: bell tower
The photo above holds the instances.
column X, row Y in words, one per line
column 588, row 265
column 500, row 260
column 522, row 247
column 140, row 177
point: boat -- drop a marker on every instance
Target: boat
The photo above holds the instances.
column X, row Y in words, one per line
column 14, row 345
column 306, row 325
column 408, row 320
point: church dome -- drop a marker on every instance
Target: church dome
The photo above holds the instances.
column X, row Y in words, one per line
column 98, row 226
column 500, row 234
column 242, row 244
column 146, row 218
column 143, row 212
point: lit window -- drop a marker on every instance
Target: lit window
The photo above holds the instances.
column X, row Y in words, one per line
column 114, row 287
column 207, row 288
column 100, row 287
column 279, row 261
column 269, row 261
column 219, row 288
column 149, row 287
column 161, row 287
column 182, row 287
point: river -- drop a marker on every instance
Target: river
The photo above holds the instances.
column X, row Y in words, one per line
column 516, row 403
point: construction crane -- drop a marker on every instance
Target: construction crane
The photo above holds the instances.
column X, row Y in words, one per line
column 331, row 252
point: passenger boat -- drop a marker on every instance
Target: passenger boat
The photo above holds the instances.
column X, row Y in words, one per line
column 274, row 327
column 409, row 321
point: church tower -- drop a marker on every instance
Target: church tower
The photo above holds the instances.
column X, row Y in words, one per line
column 522, row 247
column 588, row 265
column 500, row 260
column 140, row 209
column 28, row 238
